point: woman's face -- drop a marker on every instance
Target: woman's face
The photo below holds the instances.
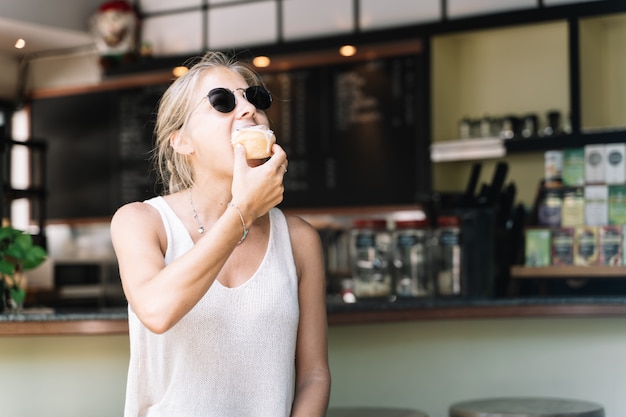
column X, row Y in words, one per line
column 209, row 131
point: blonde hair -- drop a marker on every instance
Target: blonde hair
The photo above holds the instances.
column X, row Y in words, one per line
column 175, row 107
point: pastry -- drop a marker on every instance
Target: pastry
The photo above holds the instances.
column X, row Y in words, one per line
column 257, row 140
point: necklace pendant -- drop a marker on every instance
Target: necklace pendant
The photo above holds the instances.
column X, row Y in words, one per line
column 201, row 230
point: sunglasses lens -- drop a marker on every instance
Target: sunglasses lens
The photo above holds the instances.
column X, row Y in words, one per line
column 259, row 97
column 222, row 100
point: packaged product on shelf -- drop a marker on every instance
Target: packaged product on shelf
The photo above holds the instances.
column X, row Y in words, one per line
column 549, row 207
column 413, row 258
column 623, row 244
column 573, row 172
column 450, row 280
column 573, row 208
column 538, row 245
column 553, row 166
column 596, row 205
column 617, row 204
column 370, row 258
column 586, row 246
column 615, row 167
column 594, row 164
column 563, row 246
column 610, row 245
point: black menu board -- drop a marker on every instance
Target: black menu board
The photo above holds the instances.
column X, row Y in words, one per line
column 298, row 119
column 134, row 176
column 98, row 150
column 80, row 136
column 372, row 153
column 351, row 133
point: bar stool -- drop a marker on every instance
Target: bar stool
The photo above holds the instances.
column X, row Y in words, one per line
column 373, row 412
column 526, row 407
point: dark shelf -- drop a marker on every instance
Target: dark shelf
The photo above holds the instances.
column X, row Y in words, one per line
column 31, row 143
column 563, row 141
column 32, row 192
column 37, row 193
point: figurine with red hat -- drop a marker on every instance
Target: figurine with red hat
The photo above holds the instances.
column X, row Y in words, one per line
column 114, row 27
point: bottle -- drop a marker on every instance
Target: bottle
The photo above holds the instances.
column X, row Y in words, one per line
column 370, row 256
column 449, row 270
column 412, row 259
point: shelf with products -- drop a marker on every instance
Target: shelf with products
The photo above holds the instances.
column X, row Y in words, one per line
column 574, row 66
column 494, row 147
column 564, row 141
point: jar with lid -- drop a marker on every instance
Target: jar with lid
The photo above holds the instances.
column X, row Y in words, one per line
column 412, row 258
column 449, row 254
column 370, row 255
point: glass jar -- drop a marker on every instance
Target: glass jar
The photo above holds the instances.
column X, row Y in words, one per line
column 412, row 259
column 370, row 256
column 449, row 266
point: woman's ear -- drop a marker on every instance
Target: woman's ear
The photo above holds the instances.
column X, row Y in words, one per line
column 181, row 143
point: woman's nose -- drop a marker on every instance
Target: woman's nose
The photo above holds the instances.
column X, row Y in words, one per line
column 244, row 107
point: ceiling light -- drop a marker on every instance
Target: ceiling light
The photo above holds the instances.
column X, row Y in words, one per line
column 261, row 62
column 179, row 71
column 347, row 50
column 20, row 43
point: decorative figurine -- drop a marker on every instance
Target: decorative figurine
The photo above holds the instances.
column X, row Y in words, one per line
column 115, row 27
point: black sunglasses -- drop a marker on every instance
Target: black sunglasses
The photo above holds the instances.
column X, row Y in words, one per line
column 224, row 101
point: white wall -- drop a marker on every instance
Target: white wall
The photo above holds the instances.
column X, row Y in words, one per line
column 426, row 365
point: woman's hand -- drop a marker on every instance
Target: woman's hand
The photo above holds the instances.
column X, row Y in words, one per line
column 255, row 190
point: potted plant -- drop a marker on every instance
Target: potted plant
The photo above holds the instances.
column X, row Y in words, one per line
column 18, row 253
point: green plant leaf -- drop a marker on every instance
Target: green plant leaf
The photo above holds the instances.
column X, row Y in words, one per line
column 17, row 294
column 14, row 251
column 17, row 251
column 7, row 267
column 33, row 258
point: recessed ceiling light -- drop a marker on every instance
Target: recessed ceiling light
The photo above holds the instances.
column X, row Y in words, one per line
column 20, row 43
column 261, row 62
column 347, row 50
column 179, row 71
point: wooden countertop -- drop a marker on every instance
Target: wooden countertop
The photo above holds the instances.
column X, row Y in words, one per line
column 362, row 312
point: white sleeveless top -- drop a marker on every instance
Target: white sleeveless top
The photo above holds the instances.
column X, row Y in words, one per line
column 233, row 354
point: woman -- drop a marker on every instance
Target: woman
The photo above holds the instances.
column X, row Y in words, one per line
column 226, row 294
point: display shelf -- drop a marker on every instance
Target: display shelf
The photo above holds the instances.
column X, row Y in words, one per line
column 564, row 141
column 566, row 271
column 486, row 148
column 467, row 149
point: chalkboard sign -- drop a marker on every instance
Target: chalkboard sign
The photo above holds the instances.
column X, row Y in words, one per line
column 133, row 175
column 98, row 153
column 373, row 129
column 299, row 122
column 351, row 132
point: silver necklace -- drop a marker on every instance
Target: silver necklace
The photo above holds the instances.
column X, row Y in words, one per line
column 195, row 215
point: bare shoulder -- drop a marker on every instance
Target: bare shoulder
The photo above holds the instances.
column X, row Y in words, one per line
column 305, row 241
column 130, row 213
column 306, row 245
column 301, row 229
column 135, row 218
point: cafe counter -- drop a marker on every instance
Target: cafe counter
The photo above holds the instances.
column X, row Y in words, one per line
column 114, row 321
